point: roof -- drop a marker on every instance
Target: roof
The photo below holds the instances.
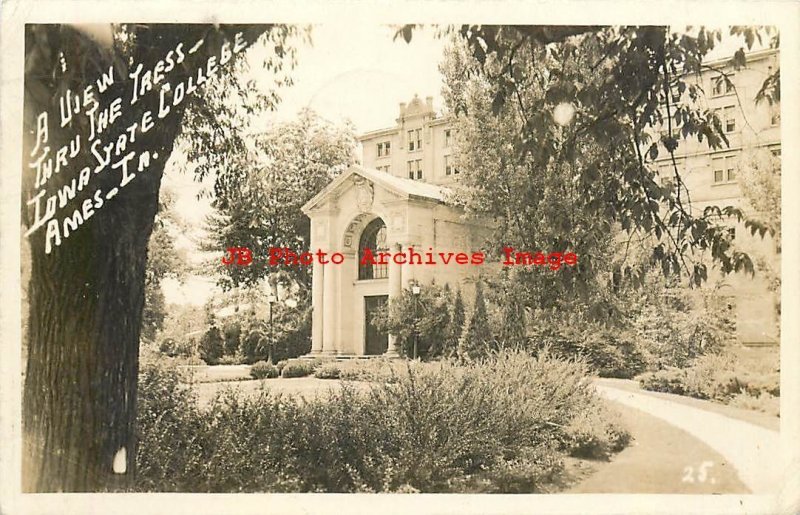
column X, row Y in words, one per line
column 402, row 186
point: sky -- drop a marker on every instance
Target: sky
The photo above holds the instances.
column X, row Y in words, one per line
column 358, row 74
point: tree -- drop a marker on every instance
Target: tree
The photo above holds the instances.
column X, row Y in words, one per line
column 79, row 401
column 212, row 346
column 585, row 102
column 457, row 320
column 232, row 334
column 424, row 317
column 292, row 161
column 163, row 260
column 476, row 340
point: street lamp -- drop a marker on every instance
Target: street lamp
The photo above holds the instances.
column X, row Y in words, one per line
column 415, row 290
column 271, row 300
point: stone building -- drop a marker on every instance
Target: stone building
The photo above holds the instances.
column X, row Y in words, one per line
column 397, row 200
column 710, row 176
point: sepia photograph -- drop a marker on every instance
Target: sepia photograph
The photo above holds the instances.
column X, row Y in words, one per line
column 396, row 256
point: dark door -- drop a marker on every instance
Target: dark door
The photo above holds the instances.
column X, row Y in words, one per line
column 376, row 341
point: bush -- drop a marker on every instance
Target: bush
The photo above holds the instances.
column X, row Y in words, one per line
column 594, row 435
column 607, row 353
column 263, row 370
column 297, row 369
column 718, row 377
column 171, row 433
column 328, row 371
column 763, row 402
column 211, row 346
column 499, row 426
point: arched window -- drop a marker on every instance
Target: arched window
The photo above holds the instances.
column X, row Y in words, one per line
column 374, row 239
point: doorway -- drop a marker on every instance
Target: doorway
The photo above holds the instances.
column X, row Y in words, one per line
column 376, row 341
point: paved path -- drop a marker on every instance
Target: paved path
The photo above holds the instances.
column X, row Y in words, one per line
column 753, row 451
column 661, row 459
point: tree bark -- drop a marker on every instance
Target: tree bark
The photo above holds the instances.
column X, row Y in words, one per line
column 86, row 297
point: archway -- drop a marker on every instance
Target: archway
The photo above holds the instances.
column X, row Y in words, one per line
column 373, row 239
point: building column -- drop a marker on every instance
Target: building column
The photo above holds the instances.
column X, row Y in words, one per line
column 329, row 309
column 317, row 307
column 395, row 289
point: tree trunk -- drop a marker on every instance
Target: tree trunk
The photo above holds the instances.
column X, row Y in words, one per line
column 86, row 297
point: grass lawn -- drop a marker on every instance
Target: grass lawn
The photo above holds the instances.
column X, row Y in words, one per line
column 307, row 387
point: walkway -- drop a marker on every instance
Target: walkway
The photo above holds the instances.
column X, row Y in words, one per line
column 708, row 446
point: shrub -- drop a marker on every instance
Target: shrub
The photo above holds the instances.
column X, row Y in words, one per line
column 230, row 360
column 425, row 317
column 280, row 364
column 328, row 371
column 211, row 346
column 717, row 377
column 763, row 402
column 297, row 369
column 498, row 425
column 593, row 434
column 263, row 370
column 476, row 340
column 171, row 432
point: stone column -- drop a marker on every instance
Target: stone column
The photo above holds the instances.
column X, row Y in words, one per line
column 317, row 303
column 395, row 289
column 329, row 309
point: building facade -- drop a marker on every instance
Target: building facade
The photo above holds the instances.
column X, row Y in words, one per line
column 712, row 178
column 397, row 200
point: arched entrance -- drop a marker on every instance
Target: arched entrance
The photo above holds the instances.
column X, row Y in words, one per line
column 373, row 240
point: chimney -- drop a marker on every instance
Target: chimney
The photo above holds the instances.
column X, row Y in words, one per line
column 429, row 103
column 402, row 109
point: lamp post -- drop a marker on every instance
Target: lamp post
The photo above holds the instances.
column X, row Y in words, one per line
column 415, row 290
column 271, row 300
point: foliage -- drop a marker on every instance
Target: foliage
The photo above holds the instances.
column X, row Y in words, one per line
column 674, row 325
column 593, row 434
column 163, row 261
column 297, row 368
column 476, row 340
column 425, row 316
column 171, row 432
column 260, row 209
column 263, row 370
column 501, row 425
column 714, row 377
column 583, row 103
column 457, row 320
column 764, row 402
column 232, row 334
column 211, row 345
column 328, row 371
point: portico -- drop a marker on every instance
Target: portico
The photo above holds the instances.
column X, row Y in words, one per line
column 368, row 209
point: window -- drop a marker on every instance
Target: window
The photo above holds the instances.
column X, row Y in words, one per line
column 449, row 166
column 374, row 239
column 414, row 140
column 776, row 152
column 448, row 138
column 729, row 118
column 724, row 169
column 384, row 149
column 415, row 169
column 386, row 168
column 722, row 85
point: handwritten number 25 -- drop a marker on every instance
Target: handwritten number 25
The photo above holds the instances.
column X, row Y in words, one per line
column 702, row 473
